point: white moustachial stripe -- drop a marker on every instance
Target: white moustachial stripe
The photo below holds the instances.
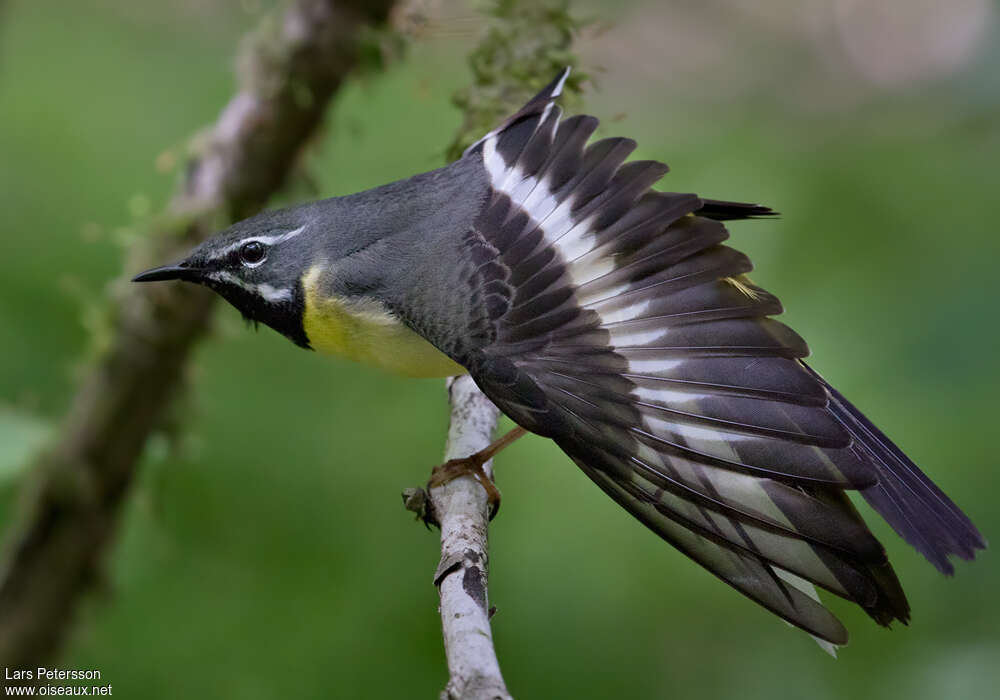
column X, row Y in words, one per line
column 262, row 289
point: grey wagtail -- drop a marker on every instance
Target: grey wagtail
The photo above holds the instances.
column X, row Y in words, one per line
column 611, row 318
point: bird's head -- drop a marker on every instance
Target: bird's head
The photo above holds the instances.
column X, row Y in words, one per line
column 256, row 265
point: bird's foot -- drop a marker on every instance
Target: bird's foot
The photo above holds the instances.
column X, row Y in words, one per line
column 468, row 466
column 473, row 466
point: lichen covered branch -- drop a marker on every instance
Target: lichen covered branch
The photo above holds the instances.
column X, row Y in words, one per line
column 289, row 71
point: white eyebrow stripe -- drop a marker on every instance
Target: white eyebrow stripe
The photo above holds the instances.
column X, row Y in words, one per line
column 264, row 290
column 266, row 240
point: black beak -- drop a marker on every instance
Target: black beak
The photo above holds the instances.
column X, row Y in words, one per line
column 178, row 271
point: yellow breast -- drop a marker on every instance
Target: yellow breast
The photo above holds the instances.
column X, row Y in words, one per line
column 366, row 332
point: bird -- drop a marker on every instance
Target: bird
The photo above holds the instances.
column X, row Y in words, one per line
column 611, row 318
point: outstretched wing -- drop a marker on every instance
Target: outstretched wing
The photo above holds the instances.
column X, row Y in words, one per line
column 618, row 324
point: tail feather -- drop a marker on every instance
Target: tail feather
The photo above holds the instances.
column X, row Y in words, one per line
column 909, row 501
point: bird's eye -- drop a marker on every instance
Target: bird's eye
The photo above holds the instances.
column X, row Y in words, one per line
column 253, row 253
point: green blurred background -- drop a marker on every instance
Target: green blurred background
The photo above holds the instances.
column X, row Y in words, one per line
column 265, row 553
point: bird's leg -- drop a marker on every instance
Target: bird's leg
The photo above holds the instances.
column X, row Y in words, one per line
column 473, row 466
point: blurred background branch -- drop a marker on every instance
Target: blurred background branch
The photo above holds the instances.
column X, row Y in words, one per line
column 524, row 46
column 290, row 70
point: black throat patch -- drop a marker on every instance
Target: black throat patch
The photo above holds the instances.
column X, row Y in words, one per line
column 284, row 316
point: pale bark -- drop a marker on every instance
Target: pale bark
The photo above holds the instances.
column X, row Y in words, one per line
column 461, row 509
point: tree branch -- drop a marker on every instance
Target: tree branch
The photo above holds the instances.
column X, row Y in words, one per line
column 460, row 507
column 290, row 70
column 526, row 44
